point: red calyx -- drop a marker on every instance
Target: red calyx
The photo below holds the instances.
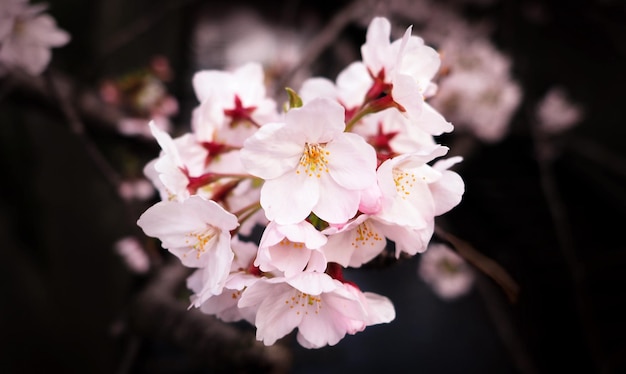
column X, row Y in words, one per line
column 239, row 112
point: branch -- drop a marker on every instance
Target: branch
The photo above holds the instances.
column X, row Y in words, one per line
column 483, row 263
column 88, row 105
column 505, row 327
column 59, row 90
column 140, row 26
column 158, row 313
column 565, row 238
column 599, row 154
column 326, row 37
column 63, row 93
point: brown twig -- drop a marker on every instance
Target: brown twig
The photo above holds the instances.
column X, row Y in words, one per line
column 565, row 238
column 140, row 26
column 62, row 91
column 597, row 153
column 504, row 325
column 63, row 94
column 482, row 262
column 602, row 181
column 326, row 37
column 87, row 105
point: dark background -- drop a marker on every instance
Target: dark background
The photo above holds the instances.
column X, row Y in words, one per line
column 555, row 226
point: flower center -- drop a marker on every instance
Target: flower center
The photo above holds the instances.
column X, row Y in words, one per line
column 364, row 234
column 404, row 182
column 314, row 160
column 201, row 241
column 448, row 267
column 235, row 294
column 304, row 303
column 294, row 245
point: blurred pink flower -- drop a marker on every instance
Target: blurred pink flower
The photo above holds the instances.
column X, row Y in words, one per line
column 133, row 254
column 26, row 36
column 446, row 272
column 556, row 113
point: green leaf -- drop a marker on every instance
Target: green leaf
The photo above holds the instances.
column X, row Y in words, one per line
column 294, row 100
column 317, row 222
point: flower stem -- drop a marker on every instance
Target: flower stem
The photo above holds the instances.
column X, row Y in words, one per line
column 367, row 109
column 245, row 213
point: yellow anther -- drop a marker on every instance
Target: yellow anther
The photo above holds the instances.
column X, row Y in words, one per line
column 314, row 160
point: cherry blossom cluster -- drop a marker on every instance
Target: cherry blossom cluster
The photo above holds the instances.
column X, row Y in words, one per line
column 333, row 177
column 479, row 92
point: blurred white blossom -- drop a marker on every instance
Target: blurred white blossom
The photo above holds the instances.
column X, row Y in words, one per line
column 26, row 36
column 140, row 189
column 478, row 95
column 133, row 254
column 445, row 271
column 244, row 36
column 556, row 113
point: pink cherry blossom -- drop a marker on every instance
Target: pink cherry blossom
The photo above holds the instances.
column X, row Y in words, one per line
column 197, row 231
column 350, row 89
column 178, row 160
column 232, row 104
column 322, row 309
column 392, row 133
column 242, row 274
column 310, row 165
column 413, row 194
column 185, row 167
column 407, row 64
column 355, row 243
column 378, row 309
column 403, row 181
column 291, row 249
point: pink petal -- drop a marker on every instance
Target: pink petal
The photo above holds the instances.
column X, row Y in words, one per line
column 320, row 120
column 352, row 161
column 290, row 198
column 272, row 151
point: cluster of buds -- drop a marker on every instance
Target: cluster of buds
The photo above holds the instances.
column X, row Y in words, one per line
column 333, row 177
column 143, row 96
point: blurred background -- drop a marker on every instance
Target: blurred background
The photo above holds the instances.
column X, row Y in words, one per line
column 532, row 88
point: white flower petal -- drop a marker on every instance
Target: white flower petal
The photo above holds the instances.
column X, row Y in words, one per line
column 335, row 204
column 352, row 161
column 288, row 205
column 313, row 283
column 274, row 319
column 448, row 191
column 376, row 47
column 317, row 87
column 272, row 151
column 406, row 92
column 320, row 120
